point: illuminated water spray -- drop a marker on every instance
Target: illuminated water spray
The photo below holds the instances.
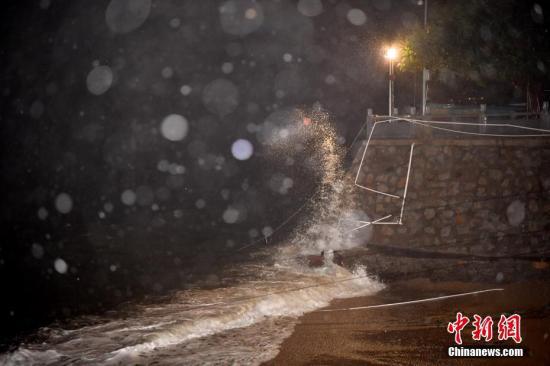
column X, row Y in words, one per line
column 333, row 211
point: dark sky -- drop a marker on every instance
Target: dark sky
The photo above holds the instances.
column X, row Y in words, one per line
column 86, row 87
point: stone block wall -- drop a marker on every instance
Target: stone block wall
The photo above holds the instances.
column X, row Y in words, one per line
column 471, row 198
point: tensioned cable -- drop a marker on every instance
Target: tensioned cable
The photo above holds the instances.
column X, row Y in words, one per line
column 473, row 124
column 281, row 225
column 485, row 125
column 430, row 299
column 478, row 133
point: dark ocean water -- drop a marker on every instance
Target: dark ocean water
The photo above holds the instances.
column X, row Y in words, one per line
column 243, row 312
column 243, row 323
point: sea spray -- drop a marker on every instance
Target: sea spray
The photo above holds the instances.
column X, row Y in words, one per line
column 334, row 210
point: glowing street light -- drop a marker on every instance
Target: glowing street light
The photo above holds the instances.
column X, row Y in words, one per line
column 391, row 54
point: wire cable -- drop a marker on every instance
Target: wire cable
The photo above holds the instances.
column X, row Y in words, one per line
column 430, row 299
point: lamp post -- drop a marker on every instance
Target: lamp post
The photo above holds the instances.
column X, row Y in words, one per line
column 391, row 56
column 425, row 72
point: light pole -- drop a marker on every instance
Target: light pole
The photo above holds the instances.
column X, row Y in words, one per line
column 425, row 72
column 391, row 55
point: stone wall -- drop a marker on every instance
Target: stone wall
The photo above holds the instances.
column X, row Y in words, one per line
column 468, row 200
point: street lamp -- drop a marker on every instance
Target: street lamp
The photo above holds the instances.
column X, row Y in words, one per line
column 391, row 55
column 425, row 72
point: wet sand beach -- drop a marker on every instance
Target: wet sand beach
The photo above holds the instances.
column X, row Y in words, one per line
column 415, row 334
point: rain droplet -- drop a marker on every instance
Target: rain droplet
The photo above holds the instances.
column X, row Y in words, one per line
column 242, row 149
column 63, row 203
column 227, row 68
column 42, row 213
column 357, row 17
column 230, row 215
column 108, row 207
column 37, row 251
column 241, row 17
column 128, row 197
column 124, row 16
column 174, row 127
column 310, row 8
column 185, row 90
column 60, row 266
column 99, row 80
column 163, row 165
column 167, row 72
column 516, row 213
column 200, row 203
column 267, row 231
column 175, row 22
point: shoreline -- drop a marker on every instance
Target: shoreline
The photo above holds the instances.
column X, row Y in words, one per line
column 416, row 333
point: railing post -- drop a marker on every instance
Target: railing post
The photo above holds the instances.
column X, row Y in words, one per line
column 370, row 121
column 412, row 127
column 482, row 118
column 545, row 115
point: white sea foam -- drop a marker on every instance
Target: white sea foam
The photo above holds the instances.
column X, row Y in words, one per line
column 278, row 298
column 198, row 320
column 29, row 357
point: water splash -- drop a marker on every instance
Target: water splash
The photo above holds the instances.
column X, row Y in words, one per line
column 334, row 211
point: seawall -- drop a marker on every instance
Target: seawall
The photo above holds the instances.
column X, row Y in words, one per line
column 475, row 208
